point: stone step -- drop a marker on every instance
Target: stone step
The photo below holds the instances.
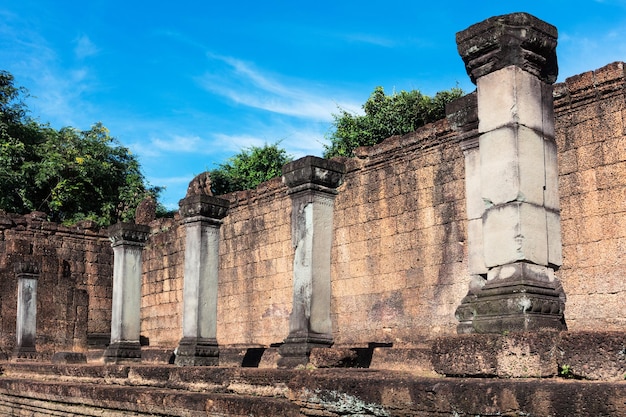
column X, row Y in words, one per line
column 55, row 398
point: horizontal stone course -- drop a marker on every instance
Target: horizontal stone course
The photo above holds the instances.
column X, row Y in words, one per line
column 141, row 390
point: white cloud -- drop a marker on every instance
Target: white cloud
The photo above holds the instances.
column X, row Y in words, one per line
column 243, row 84
column 236, row 143
column 167, row 144
column 177, row 143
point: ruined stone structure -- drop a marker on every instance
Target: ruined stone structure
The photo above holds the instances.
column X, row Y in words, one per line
column 514, row 231
column 518, row 194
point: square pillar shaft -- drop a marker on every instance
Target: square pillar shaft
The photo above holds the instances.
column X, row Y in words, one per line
column 26, row 325
column 312, row 185
column 128, row 241
column 202, row 219
column 512, row 60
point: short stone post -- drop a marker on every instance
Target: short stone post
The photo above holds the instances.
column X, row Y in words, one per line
column 312, row 186
column 26, row 329
column 512, row 60
column 202, row 216
column 128, row 240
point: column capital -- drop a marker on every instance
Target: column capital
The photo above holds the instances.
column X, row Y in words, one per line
column 315, row 173
column 27, row 268
column 203, row 205
column 128, row 234
column 518, row 39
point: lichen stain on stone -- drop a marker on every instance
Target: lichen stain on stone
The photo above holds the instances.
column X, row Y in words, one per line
column 339, row 402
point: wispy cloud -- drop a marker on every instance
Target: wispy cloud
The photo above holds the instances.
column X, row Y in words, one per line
column 237, row 142
column 587, row 51
column 370, row 39
column 56, row 90
column 245, row 85
column 171, row 143
column 177, row 143
column 85, row 47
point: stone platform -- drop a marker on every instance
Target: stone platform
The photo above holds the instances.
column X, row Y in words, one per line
column 44, row 389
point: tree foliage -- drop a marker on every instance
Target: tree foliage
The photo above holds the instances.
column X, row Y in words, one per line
column 249, row 168
column 385, row 116
column 68, row 174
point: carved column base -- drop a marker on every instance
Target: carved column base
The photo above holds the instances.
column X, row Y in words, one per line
column 119, row 352
column 25, row 352
column 193, row 351
column 465, row 315
column 297, row 348
column 519, row 297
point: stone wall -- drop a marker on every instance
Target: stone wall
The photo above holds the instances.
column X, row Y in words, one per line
column 398, row 269
column 256, row 258
column 162, row 284
column 591, row 136
column 399, row 257
column 74, row 285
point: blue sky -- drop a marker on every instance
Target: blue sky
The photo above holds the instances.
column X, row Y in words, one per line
column 187, row 84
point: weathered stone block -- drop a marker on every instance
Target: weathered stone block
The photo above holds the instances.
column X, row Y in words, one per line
column 68, row 358
column 473, row 192
column 555, row 248
column 511, row 95
column 516, row 355
column 475, row 248
column 515, row 232
column 512, row 166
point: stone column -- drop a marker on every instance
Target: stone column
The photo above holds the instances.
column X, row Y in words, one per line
column 128, row 240
column 202, row 216
column 26, row 329
column 512, row 60
column 312, row 186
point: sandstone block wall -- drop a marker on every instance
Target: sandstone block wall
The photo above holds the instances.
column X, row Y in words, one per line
column 591, row 137
column 74, row 285
column 398, row 269
column 162, row 283
column 399, row 258
column 256, row 257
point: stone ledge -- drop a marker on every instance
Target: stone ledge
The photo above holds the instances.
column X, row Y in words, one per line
column 330, row 392
column 545, row 354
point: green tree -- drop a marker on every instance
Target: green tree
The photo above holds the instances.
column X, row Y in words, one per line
column 68, row 174
column 385, row 116
column 249, row 168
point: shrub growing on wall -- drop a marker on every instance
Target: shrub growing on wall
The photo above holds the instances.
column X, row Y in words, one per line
column 385, row 116
column 249, row 168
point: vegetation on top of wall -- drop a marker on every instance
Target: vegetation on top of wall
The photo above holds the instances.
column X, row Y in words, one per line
column 386, row 116
column 69, row 174
column 249, row 168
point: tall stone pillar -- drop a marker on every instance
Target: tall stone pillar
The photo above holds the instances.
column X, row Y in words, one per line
column 128, row 240
column 312, row 186
column 202, row 216
column 512, row 60
column 26, row 329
